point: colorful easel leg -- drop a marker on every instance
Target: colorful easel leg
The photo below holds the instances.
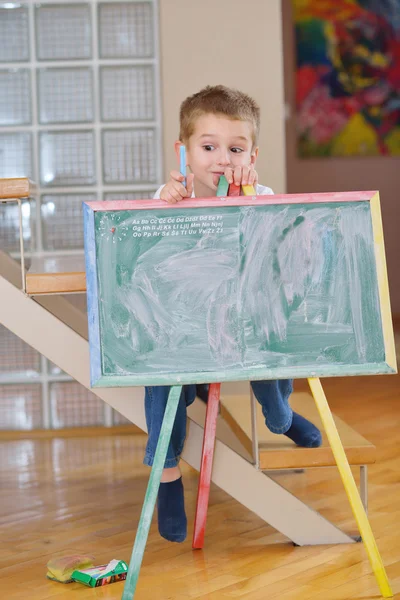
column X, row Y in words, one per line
column 350, row 487
column 210, row 427
column 207, row 455
column 203, row 493
column 151, row 493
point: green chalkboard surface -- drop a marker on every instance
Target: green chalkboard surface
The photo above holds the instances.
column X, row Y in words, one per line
column 216, row 293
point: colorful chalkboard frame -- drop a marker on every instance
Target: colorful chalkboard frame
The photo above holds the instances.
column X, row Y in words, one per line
column 177, row 377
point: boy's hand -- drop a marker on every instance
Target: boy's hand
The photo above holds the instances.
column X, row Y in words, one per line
column 242, row 175
column 174, row 190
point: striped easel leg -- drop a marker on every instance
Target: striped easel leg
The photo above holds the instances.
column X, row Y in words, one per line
column 224, row 189
column 210, row 427
column 207, row 455
column 350, row 487
column 151, row 493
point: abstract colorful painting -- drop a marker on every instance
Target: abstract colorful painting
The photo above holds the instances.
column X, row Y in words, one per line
column 347, row 77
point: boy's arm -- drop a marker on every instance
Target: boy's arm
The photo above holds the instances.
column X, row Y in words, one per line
column 261, row 190
column 158, row 192
column 174, row 190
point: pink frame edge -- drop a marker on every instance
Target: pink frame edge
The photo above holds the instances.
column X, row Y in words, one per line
column 318, row 197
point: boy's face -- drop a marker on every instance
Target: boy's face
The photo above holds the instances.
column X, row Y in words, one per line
column 217, row 143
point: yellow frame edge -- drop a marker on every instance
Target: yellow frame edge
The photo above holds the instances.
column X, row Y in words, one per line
column 383, row 284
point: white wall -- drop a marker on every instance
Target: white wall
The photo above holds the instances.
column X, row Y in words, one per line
column 229, row 42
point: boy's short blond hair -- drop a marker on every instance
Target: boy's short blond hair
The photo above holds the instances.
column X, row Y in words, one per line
column 218, row 100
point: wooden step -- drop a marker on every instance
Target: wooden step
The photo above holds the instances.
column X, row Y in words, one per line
column 278, row 451
column 47, row 274
column 56, row 275
column 16, row 187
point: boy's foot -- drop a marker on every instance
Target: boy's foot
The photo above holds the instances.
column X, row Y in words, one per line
column 304, row 433
column 172, row 523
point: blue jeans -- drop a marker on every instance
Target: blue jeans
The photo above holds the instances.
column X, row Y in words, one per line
column 272, row 395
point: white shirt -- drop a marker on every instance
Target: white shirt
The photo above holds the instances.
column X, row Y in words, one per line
column 261, row 190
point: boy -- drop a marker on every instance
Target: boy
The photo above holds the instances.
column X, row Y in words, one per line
column 219, row 127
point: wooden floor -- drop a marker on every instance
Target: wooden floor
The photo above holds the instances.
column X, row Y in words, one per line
column 84, row 495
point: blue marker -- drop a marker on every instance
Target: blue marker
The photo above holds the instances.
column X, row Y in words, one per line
column 182, row 167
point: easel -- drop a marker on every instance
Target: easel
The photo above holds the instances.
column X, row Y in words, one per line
column 206, row 468
column 160, row 456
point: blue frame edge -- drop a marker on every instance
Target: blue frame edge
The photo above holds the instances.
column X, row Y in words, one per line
column 92, row 294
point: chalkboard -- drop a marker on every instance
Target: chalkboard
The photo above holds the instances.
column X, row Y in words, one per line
column 228, row 289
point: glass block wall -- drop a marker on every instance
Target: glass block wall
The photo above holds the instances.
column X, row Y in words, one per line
column 80, row 115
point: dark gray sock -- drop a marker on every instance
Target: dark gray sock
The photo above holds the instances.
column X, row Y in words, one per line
column 172, row 522
column 304, row 433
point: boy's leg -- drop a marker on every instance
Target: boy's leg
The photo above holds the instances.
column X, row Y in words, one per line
column 279, row 417
column 202, row 391
column 172, row 523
